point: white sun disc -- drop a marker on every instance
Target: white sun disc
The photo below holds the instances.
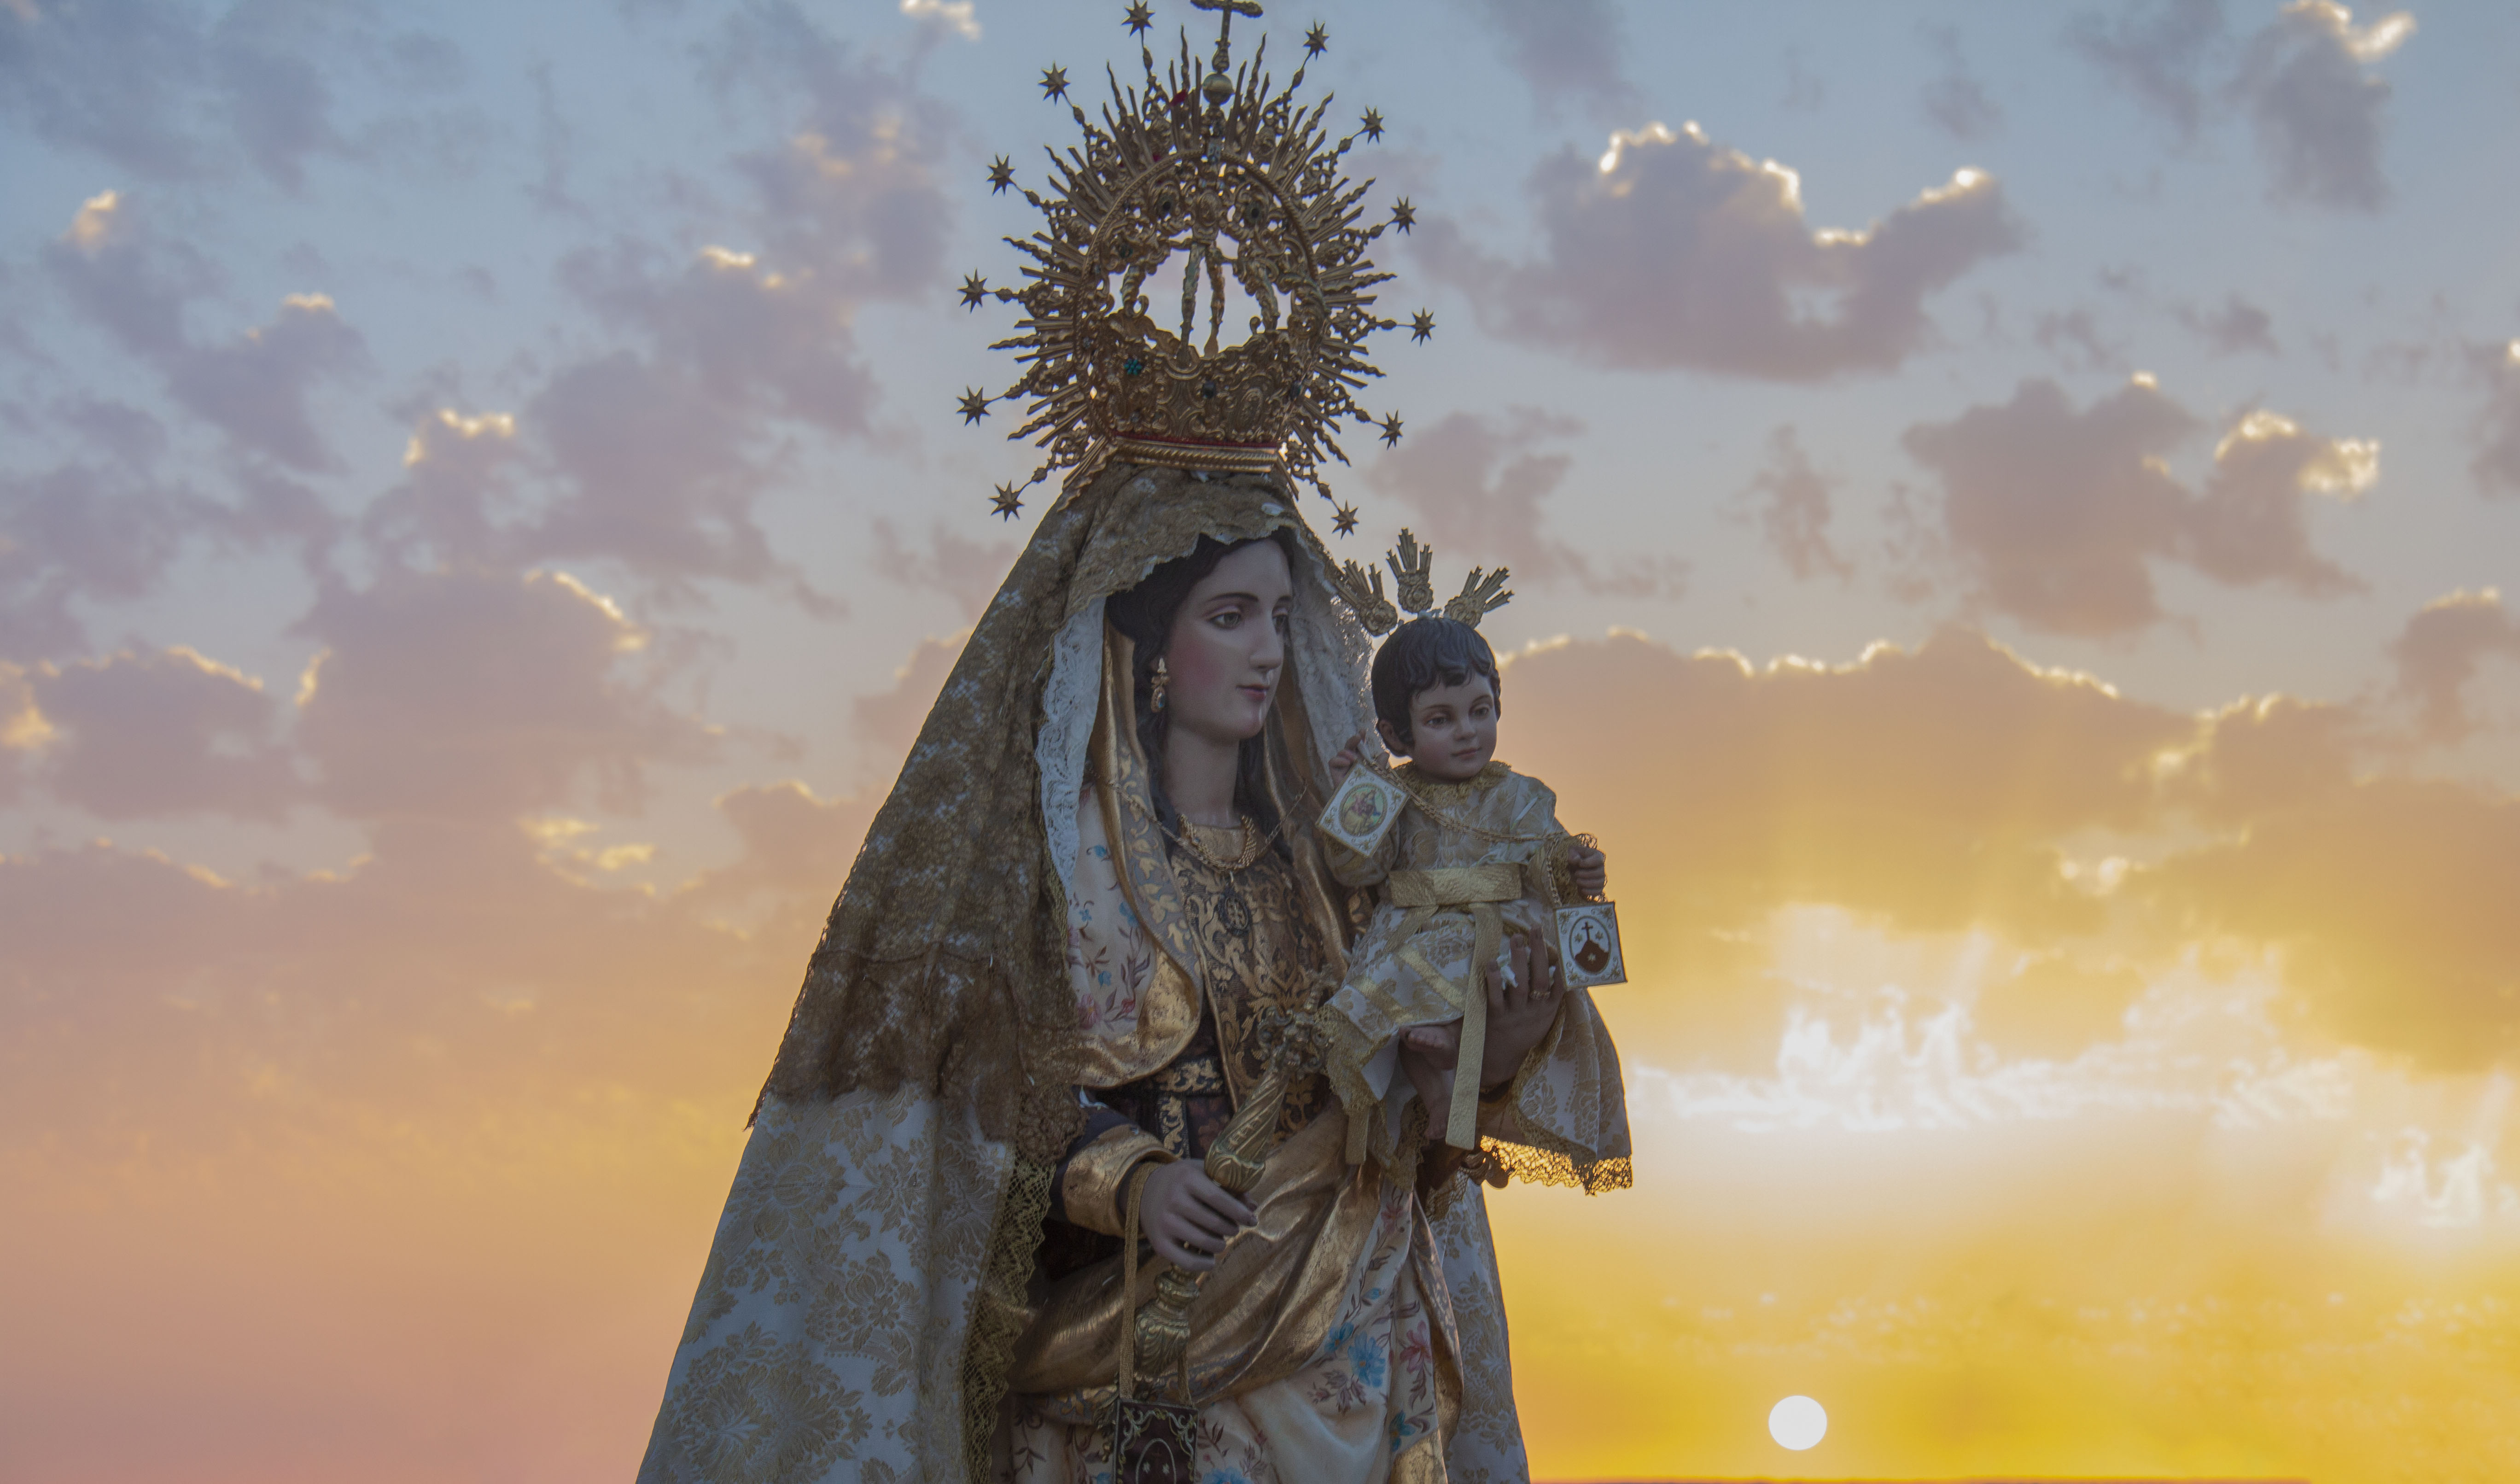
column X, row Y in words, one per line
column 1798, row 1422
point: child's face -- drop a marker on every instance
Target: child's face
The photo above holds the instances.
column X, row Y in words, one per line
column 1454, row 728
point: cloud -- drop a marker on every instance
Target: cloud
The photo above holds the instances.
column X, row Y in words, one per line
column 2497, row 464
column 2261, row 757
column 2074, row 338
column 24, row 731
column 2438, row 652
column 135, row 283
column 2237, row 327
column 1921, row 791
column 2158, row 53
column 2318, row 113
column 451, row 996
column 105, row 523
column 1565, row 53
column 130, row 281
column 1958, row 787
column 255, row 388
column 2249, row 524
column 1956, row 102
column 172, row 92
column 2058, row 513
column 2303, row 80
column 146, row 735
column 459, row 472
column 119, row 82
column 850, row 196
column 1792, row 504
column 944, row 16
column 654, row 457
column 798, row 850
column 969, row 571
column 760, row 335
column 273, row 92
column 654, row 450
column 2388, row 902
column 470, row 696
column 1926, row 785
column 1672, row 251
column 83, row 531
column 1475, row 486
column 889, row 720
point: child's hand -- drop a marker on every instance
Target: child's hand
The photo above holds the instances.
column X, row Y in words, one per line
column 1589, row 868
column 1346, row 759
column 1427, row 1054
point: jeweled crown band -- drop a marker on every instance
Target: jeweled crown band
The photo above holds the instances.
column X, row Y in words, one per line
column 1213, row 457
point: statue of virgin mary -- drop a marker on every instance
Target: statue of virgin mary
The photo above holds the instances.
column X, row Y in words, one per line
column 1044, row 1186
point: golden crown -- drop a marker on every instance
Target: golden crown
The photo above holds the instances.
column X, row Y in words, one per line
column 1241, row 182
column 1413, row 574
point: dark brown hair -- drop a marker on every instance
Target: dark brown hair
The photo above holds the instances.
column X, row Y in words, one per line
column 1421, row 655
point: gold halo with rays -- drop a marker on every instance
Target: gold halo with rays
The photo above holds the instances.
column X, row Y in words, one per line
column 1243, row 182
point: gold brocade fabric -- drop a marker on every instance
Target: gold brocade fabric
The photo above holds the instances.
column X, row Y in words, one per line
column 1259, row 951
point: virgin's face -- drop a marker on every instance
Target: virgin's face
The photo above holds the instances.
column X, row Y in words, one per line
column 1228, row 645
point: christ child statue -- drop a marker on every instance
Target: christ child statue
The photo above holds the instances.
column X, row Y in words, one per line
column 1471, row 859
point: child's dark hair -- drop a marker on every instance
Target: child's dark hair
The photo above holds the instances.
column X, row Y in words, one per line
column 1421, row 655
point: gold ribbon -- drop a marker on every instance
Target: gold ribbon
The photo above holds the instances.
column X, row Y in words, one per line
column 1455, row 885
column 1477, row 889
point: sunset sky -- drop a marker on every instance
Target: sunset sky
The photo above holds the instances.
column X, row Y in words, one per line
column 2010, row 507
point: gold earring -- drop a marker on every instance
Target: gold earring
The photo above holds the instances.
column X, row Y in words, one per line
column 1163, row 678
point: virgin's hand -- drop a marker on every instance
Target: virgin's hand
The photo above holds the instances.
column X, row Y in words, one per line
column 1346, row 759
column 1189, row 1217
column 1591, row 870
column 1523, row 1004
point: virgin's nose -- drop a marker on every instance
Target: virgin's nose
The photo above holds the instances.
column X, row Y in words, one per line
column 1271, row 651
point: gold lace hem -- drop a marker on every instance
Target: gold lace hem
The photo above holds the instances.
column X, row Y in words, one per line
column 999, row 1309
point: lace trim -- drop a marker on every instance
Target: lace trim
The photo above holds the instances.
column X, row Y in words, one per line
column 999, row 1313
column 1332, row 657
column 1567, row 1167
column 1067, row 706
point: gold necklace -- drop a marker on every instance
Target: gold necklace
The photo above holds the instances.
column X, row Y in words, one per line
column 1252, row 845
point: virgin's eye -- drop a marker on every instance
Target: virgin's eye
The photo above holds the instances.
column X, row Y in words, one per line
column 1230, row 618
